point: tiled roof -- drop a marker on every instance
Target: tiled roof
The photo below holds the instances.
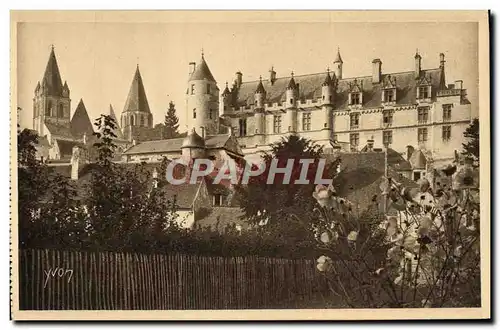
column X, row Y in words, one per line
column 222, row 217
column 136, row 99
column 202, row 71
column 80, row 122
column 52, row 81
column 141, row 133
column 184, row 194
column 310, row 88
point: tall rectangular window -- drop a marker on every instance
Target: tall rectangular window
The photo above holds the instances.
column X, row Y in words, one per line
column 446, row 134
column 354, row 139
column 210, row 114
column 354, row 120
column 192, row 89
column 243, row 127
column 423, row 115
column 387, row 138
column 277, row 123
column 194, row 113
column 422, row 135
column 208, row 88
column 447, row 111
column 355, row 98
column 387, row 117
column 306, row 121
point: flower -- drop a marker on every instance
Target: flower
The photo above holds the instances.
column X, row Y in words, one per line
column 327, row 237
column 353, row 236
column 466, row 177
column 324, row 195
column 324, row 263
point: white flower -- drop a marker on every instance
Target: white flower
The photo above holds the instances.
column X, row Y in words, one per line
column 353, row 236
column 324, row 263
column 327, row 237
column 324, row 195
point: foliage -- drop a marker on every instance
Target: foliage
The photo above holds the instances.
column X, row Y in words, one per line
column 280, row 206
column 426, row 256
column 471, row 148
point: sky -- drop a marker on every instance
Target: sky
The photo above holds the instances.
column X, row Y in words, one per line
column 98, row 60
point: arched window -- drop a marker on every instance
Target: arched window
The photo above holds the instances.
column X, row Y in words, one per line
column 49, row 108
column 132, row 120
column 142, row 120
column 60, row 112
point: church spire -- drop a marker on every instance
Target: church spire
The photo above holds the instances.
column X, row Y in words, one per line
column 52, row 76
column 136, row 99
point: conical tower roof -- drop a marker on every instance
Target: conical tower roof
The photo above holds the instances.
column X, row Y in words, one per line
column 80, row 122
column 328, row 79
column 118, row 131
column 260, row 88
column 338, row 59
column 202, row 72
column 136, row 99
column 52, row 76
column 193, row 140
column 291, row 83
column 226, row 91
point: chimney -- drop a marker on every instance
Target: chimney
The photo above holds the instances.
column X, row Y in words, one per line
column 376, row 70
column 272, row 76
column 441, row 60
column 192, row 67
column 459, row 84
column 409, row 152
column 418, row 60
column 238, row 79
column 75, row 163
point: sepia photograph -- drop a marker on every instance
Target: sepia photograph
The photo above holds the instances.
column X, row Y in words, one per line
column 204, row 165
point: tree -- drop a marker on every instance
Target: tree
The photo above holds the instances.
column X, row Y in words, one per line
column 471, row 148
column 286, row 208
column 171, row 122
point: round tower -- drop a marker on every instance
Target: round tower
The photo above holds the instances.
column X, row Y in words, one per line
column 291, row 93
column 224, row 101
column 337, row 65
column 193, row 146
column 260, row 117
column 327, row 95
column 202, row 99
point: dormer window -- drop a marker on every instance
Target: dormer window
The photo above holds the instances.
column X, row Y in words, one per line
column 389, row 95
column 424, row 88
column 355, row 98
column 423, row 92
column 217, row 200
column 355, row 93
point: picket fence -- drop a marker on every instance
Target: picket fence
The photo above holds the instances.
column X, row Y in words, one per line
column 72, row 280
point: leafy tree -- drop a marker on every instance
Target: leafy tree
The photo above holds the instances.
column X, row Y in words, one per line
column 471, row 148
column 285, row 207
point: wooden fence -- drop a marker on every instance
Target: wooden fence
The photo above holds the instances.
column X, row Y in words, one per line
column 54, row 280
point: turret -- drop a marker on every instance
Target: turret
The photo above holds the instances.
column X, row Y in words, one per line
column 65, row 91
column 327, row 95
column 327, row 89
column 193, row 146
column 224, row 101
column 292, row 93
column 337, row 65
column 202, row 100
column 260, row 97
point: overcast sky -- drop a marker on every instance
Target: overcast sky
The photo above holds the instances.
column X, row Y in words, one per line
column 98, row 60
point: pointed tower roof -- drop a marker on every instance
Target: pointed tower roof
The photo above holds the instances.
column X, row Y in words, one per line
column 52, row 77
column 226, row 91
column 260, row 88
column 118, row 130
column 417, row 55
column 193, row 140
column 202, row 72
column 328, row 78
column 136, row 99
column 338, row 59
column 291, row 83
column 80, row 123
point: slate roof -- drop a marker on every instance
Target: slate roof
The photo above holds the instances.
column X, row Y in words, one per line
column 310, row 88
column 118, row 130
column 136, row 99
column 59, row 129
column 201, row 71
column 171, row 145
column 52, row 82
column 80, row 122
column 184, row 194
column 418, row 160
